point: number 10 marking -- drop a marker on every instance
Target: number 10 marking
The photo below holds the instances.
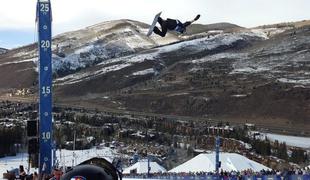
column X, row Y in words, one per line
column 46, row 135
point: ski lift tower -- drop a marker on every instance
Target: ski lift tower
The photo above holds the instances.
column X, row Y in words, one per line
column 43, row 20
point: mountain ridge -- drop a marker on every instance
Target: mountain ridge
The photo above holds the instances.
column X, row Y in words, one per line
column 257, row 75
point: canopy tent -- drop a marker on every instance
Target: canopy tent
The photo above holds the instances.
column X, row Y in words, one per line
column 229, row 162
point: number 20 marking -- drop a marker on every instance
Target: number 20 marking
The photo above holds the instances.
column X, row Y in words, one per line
column 45, row 44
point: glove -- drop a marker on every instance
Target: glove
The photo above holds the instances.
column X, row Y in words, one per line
column 197, row 17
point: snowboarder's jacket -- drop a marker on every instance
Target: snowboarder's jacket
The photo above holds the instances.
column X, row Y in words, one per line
column 180, row 27
column 172, row 25
column 176, row 25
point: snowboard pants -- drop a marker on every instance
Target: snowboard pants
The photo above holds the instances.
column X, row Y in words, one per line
column 169, row 24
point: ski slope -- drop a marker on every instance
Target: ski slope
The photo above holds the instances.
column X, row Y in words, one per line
column 303, row 142
column 65, row 158
column 295, row 141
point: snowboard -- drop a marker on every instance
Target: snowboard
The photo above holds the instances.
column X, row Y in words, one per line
column 153, row 24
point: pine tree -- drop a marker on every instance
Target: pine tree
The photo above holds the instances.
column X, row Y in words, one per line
column 298, row 156
column 282, row 151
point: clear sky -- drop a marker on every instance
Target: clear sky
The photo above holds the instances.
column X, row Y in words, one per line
column 17, row 26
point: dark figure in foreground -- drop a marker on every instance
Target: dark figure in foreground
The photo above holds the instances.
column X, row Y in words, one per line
column 22, row 173
column 172, row 25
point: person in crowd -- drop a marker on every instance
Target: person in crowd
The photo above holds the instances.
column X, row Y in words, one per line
column 35, row 176
column 22, row 173
column 57, row 174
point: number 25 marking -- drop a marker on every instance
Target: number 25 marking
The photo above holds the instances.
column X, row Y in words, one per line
column 44, row 7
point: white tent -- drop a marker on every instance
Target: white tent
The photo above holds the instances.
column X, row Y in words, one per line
column 141, row 167
column 229, row 162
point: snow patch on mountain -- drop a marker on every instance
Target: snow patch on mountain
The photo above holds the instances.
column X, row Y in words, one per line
column 246, row 69
column 89, row 55
column 269, row 32
column 197, row 45
column 101, row 42
column 26, row 54
column 144, row 72
column 2, row 50
column 34, row 60
column 295, row 81
column 220, row 56
column 207, row 43
column 78, row 77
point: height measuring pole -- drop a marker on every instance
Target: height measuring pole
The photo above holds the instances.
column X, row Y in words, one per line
column 217, row 154
column 45, row 84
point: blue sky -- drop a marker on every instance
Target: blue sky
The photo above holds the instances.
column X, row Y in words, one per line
column 15, row 38
column 17, row 17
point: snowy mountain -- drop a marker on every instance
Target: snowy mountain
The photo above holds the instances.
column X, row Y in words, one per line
column 259, row 75
column 156, row 57
column 249, row 75
column 73, row 51
column 94, row 44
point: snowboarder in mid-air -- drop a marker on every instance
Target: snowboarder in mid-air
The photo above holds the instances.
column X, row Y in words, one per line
column 172, row 25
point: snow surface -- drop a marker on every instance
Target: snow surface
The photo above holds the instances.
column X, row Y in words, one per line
column 296, row 141
column 267, row 32
column 141, row 167
column 34, row 60
column 103, row 41
column 70, row 157
column 229, row 162
column 220, row 56
column 78, row 77
column 249, row 70
column 200, row 44
column 31, row 53
column 295, row 81
column 261, row 32
column 303, row 142
column 65, row 157
column 239, row 95
column 144, row 72
column 13, row 162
